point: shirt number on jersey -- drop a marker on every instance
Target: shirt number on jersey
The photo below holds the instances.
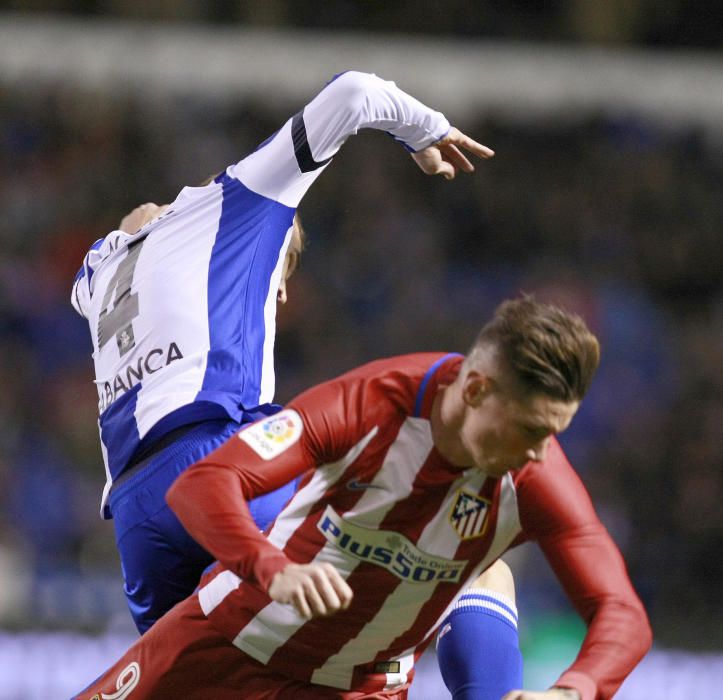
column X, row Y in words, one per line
column 118, row 320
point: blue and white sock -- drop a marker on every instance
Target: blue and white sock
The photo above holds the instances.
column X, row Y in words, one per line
column 478, row 647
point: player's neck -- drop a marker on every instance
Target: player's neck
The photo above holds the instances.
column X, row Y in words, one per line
column 445, row 421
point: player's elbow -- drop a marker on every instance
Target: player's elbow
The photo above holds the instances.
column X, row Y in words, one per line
column 180, row 496
column 176, row 494
column 353, row 81
column 353, row 89
column 645, row 632
column 624, row 622
column 639, row 638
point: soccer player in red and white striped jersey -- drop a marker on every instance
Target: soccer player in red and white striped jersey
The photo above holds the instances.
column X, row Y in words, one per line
column 419, row 472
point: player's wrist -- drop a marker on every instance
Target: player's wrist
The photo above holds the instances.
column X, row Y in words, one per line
column 568, row 693
column 269, row 564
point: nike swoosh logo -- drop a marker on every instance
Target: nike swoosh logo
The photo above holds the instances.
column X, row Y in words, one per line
column 356, row 485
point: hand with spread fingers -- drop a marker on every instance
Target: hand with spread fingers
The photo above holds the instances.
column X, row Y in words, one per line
column 446, row 157
column 315, row 590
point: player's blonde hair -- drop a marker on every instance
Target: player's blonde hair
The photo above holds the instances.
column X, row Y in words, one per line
column 549, row 350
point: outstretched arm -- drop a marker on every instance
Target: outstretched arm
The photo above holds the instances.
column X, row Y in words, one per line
column 285, row 166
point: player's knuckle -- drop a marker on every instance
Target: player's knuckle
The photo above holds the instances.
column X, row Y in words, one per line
column 321, row 575
column 310, row 586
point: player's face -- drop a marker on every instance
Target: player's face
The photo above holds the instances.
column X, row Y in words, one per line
column 503, row 431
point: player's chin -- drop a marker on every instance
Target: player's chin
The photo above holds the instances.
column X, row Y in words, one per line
column 498, row 467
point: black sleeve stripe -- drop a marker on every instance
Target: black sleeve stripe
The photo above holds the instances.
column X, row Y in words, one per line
column 301, row 145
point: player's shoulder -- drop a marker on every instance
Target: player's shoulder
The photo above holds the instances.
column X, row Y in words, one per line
column 391, row 384
column 402, row 381
column 98, row 254
column 554, row 476
column 104, row 248
column 551, row 495
column 555, row 460
column 412, row 366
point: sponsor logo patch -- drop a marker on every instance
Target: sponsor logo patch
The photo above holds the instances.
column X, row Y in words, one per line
column 269, row 437
column 469, row 515
column 389, row 550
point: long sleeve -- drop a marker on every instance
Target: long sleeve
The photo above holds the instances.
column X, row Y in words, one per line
column 285, row 166
column 557, row 513
column 210, row 499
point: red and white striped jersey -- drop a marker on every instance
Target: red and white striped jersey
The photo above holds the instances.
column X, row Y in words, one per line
column 406, row 529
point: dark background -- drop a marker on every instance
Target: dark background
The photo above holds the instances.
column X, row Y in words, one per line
column 666, row 23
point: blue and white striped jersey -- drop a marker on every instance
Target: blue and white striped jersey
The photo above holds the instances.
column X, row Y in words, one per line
column 182, row 313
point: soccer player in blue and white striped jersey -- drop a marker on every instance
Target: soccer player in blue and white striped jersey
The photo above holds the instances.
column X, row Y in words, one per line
column 182, row 318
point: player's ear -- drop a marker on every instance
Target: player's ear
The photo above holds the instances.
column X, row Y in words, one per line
column 475, row 387
column 281, row 293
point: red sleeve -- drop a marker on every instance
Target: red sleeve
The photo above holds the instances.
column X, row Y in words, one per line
column 556, row 511
column 210, row 499
column 321, row 425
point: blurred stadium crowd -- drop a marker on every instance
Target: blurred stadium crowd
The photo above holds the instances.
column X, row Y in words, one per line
column 615, row 217
column 649, row 22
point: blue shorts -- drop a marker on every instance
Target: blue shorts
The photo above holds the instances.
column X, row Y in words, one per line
column 161, row 563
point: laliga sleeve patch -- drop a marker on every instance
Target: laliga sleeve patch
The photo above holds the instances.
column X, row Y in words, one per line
column 269, row 437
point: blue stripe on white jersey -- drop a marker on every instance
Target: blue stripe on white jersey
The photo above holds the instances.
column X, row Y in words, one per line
column 119, row 431
column 240, row 320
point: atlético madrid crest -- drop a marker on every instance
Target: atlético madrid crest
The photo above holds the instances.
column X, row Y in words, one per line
column 469, row 515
